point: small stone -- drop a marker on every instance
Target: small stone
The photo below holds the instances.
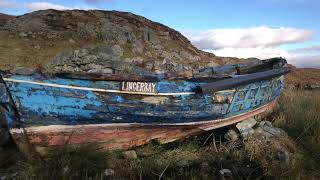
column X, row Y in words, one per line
column 22, row 34
column 130, row 154
column 225, row 174
column 37, row 47
column 72, row 41
column 109, row 172
column 65, row 169
column 231, row 135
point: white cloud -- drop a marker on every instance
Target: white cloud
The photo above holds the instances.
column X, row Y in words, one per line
column 306, row 61
column 306, row 56
column 296, row 57
column 259, row 52
column 41, row 5
column 262, row 36
column 8, row 4
column 35, row 6
column 260, row 42
column 310, row 49
column 97, row 1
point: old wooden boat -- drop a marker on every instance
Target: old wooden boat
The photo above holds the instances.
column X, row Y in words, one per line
column 117, row 112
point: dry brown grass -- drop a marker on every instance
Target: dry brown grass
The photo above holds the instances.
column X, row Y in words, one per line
column 303, row 77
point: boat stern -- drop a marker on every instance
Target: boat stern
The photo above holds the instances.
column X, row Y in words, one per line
column 7, row 106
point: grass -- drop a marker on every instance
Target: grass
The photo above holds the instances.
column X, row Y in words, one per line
column 199, row 157
column 22, row 52
column 299, row 114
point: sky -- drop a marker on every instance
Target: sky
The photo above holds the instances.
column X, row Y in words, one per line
column 234, row 28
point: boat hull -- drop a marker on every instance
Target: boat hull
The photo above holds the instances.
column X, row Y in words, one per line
column 47, row 111
column 120, row 136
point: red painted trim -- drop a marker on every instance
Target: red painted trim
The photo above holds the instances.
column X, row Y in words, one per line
column 123, row 136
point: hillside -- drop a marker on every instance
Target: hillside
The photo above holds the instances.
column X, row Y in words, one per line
column 34, row 39
column 304, row 78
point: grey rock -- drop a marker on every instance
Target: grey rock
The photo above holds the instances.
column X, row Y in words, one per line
column 107, row 71
column 248, row 123
column 81, row 53
column 87, row 59
column 246, row 127
column 247, row 133
column 138, row 47
column 117, row 50
column 231, row 135
column 225, row 174
column 130, row 154
column 266, row 130
column 92, row 67
column 265, row 124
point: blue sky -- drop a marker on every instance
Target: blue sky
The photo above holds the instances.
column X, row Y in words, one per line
column 288, row 28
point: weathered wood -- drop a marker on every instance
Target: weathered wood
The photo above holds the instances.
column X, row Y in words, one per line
column 44, row 102
column 123, row 136
column 243, row 80
column 122, row 114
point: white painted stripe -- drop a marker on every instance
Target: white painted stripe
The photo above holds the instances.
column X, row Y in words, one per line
column 95, row 89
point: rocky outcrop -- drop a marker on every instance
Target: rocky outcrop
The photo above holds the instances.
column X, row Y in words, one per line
column 122, row 37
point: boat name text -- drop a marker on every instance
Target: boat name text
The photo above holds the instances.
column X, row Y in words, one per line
column 145, row 87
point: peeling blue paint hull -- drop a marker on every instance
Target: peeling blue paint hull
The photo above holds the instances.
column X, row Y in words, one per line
column 43, row 105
